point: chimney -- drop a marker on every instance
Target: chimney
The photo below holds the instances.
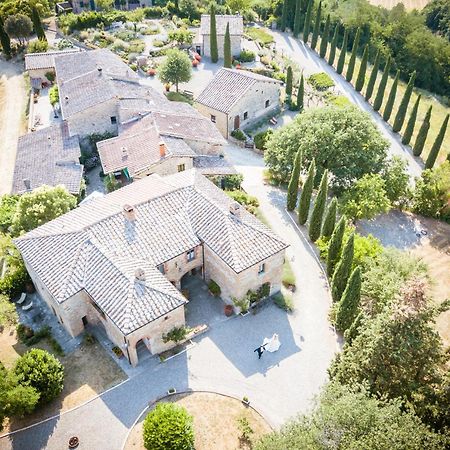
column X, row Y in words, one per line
column 235, row 209
column 139, row 274
column 124, row 153
column 129, row 213
column 66, row 98
column 27, row 184
column 162, row 149
column 99, row 70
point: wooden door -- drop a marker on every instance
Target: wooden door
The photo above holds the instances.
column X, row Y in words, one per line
column 236, row 122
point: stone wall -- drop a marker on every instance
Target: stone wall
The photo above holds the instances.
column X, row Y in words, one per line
column 235, row 41
column 40, row 73
column 167, row 166
column 205, row 148
column 221, row 118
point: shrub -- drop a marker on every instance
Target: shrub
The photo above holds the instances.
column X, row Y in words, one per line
column 53, row 95
column 284, row 301
column 232, row 182
column 288, row 277
column 261, row 138
column 251, row 203
column 280, row 76
column 176, row 334
column 246, row 56
column 168, row 427
column 158, row 43
column 8, row 313
column 320, row 81
column 243, row 304
column 214, row 288
column 111, row 184
column 239, row 135
column 42, row 371
column 50, row 76
column 37, row 46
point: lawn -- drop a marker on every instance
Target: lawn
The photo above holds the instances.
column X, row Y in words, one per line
column 215, row 422
column 178, row 97
column 88, row 372
column 260, row 35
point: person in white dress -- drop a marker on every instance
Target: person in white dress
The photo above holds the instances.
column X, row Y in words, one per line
column 272, row 344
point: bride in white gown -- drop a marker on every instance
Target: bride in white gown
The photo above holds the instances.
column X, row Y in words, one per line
column 272, row 344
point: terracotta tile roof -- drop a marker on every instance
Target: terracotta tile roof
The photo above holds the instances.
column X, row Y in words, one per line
column 34, row 61
column 94, row 247
column 236, row 24
column 228, row 86
column 48, row 156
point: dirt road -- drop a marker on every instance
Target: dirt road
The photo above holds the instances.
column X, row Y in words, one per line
column 12, row 107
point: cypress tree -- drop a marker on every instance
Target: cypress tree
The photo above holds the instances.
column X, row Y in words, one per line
column 227, row 48
column 330, row 219
column 437, row 145
column 316, row 30
column 401, row 113
column 362, row 70
column 422, row 135
column 213, row 36
column 348, row 307
column 334, row 249
column 391, row 99
column 382, row 86
column 300, row 93
column 343, row 269
column 284, row 15
column 351, row 63
column 373, row 76
column 5, row 40
column 332, row 54
column 37, row 24
column 307, row 23
column 325, row 37
column 297, row 18
column 352, row 332
column 411, row 122
column 292, row 193
column 305, row 196
column 289, row 83
column 315, row 224
column 341, row 60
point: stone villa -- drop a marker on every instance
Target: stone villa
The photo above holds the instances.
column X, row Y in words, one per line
column 118, row 261
column 237, row 98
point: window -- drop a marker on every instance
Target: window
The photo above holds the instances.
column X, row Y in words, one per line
column 161, row 269
column 113, row 120
column 181, row 167
column 246, row 115
column 261, row 269
column 213, row 119
column 267, row 103
column 190, row 255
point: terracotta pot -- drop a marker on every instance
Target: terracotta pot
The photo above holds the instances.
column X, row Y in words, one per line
column 73, row 442
column 228, row 310
column 197, row 57
column 194, row 63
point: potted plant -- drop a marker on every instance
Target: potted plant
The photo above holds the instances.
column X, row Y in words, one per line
column 151, row 72
column 194, row 63
column 214, row 288
column 228, row 310
column 167, row 87
column 197, row 57
column 73, row 442
column 117, row 351
column 245, row 400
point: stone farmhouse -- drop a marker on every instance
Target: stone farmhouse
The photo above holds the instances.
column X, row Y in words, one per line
column 117, row 262
column 237, row 98
column 49, row 156
column 202, row 39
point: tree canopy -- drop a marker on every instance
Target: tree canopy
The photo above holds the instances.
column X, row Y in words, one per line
column 176, row 68
column 19, row 27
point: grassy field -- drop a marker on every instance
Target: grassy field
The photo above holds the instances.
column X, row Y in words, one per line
column 437, row 117
column 409, row 4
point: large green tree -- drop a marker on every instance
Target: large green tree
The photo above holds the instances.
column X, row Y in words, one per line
column 373, row 76
column 330, row 219
column 289, row 84
column 4, row 40
column 335, row 247
column 391, row 99
column 402, row 109
column 300, row 93
column 37, row 23
column 316, row 29
column 305, row 196
column 396, row 180
column 227, row 48
column 422, row 134
column 382, row 86
column 411, row 122
column 176, row 68
column 342, row 55
column 213, row 35
column 325, row 37
column 298, row 18
column 315, row 223
column 292, row 193
column 348, row 307
column 19, row 27
column 437, row 145
column 359, row 84
column 307, row 23
column 343, row 140
column 332, row 53
column 343, row 269
column 351, row 63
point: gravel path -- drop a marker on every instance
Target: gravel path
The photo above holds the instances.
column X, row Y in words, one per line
column 12, row 106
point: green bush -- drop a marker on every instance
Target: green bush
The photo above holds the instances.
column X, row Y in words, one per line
column 246, row 56
column 50, row 76
column 168, row 427
column 42, row 371
column 280, row 76
column 320, row 81
column 288, row 277
column 53, row 95
column 239, row 135
column 284, row 301
column 214, row 288
column 8, row 313
column 251, row 203
column 37, row 46
column 260, row 139
column 176, row 334
column 232, row 182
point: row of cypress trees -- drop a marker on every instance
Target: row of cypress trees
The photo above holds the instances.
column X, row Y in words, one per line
column 289, row 89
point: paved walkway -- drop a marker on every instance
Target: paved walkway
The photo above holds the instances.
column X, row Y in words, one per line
column 279, row 385
column 312, row 63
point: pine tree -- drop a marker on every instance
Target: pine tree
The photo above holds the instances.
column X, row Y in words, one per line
column 305, row 196
column 297, row 18
column 289, row 83
column 411, row 122
column 348, row 307
column 391, row 99
column 300, row 93
column 341, row 60
column 307, row 23
column 351, row 63
column 325, row 37
column 330, row 219
column 316, row 30
column 284, row 15
column 227, row 48
column 437, row 145
column 401, row 113
column 334, row 249
column 37, row 23
column 332, row 54
column 292, row 192
column 5, row 40
column 213, row 35
column 343, row 269
column 362, row 70
column 315, row 224
column 373, row 76
column 382, row 86
column 422, row 135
